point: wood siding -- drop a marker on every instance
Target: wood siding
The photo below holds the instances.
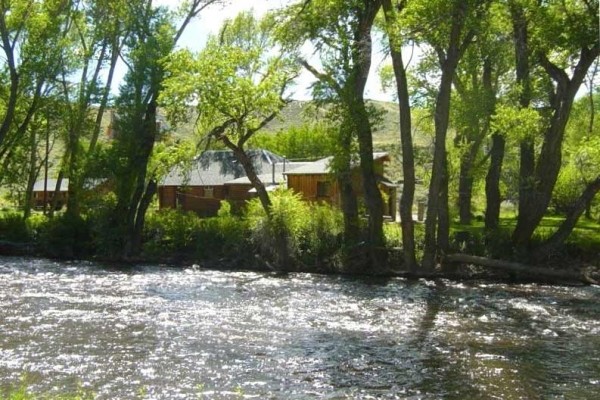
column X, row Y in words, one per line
column 200, row 200
column 307, row 186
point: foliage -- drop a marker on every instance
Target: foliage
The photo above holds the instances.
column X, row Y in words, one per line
column 170, row 232
column 238, row 81
column 307, row 142
column 313, row 230
column 14, row 228
column 66, row 236
column 175, row 233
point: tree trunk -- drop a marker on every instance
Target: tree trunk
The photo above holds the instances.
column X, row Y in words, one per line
column 465, row 190
column 473, row 138
column 539, row 274
column 362, row 48
column 438, row 191
column 250, row 171
column 56, row 195
column 11, row 104
column 492, row 183
column 349, row 209
column 437, row 206
column 32, row 176
column 537, row 182
column 408, row 163
column 137, row 234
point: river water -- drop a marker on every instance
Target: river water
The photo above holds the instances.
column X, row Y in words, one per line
column 165, row 333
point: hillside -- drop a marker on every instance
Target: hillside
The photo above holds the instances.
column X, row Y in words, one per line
column 297, row 113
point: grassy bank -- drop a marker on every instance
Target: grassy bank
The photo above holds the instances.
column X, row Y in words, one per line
column 314, row 232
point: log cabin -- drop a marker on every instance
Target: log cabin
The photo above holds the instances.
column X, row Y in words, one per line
column 216, row 175
column 44, row 191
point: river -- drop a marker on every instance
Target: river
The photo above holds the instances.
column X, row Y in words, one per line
column 152, row 332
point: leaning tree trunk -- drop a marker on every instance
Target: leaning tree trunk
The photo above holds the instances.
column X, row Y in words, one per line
column 140, row 219
column 437, row 207
column 565, row 229
column 32, row 175
column 438, row 190
column 536, row 186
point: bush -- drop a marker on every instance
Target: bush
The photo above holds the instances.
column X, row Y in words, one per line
column 170, row 231
column 14, row 228
column 174, row 232
column 313, row 232
column 392, row 235
column 567, row 190
column 66, row 236
column 224, row 235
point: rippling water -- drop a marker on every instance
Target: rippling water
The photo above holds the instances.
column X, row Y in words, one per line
column 159, row 333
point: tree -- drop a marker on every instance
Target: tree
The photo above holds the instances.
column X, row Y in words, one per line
column 32, row 38
column 448, row 28
column 153, row 36
column 392, row 28
column 98, row 32
column 341, row 31
column 478, row 82
column 240, row 82
column 309, row 141
column 565, row 60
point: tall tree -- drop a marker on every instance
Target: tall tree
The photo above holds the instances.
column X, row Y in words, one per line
column 98, row 33
column 448, row 28
column 565, row 60
column 478, row 83
column 341, row 31
column 240, row 82
column 32, row 38
column 153, row 36
column 393, row 30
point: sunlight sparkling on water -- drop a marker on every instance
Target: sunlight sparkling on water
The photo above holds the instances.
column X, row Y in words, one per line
column 151, row 332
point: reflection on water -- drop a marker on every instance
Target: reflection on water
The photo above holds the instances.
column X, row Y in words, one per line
column 168, row 333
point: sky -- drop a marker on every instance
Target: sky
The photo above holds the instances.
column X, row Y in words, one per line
column 211, row 19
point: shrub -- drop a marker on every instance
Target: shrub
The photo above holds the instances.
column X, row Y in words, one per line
column 175, row 232
column 224, row 235
column 313, row 232
column 14, row 228
column 392, row 234
column 170, row 231
column 66, row 236
column 323, row 235
column 567, row 190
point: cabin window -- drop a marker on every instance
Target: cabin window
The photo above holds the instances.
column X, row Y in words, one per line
column 323, row 189
column 209, row 192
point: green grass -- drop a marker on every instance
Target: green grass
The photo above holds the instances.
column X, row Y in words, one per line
column 23, row 393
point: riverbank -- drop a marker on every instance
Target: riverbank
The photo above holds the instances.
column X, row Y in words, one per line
column 315, row 245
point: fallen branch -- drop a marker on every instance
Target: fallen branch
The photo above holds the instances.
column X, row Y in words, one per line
column 537, row 272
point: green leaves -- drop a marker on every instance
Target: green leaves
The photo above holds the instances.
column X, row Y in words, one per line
column 516, row 123
column 241, row 76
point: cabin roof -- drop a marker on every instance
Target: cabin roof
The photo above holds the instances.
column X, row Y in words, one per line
column 51, row 185
column 217, row 167
column 64, row 184
column 321, row 167
column 268, row 178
